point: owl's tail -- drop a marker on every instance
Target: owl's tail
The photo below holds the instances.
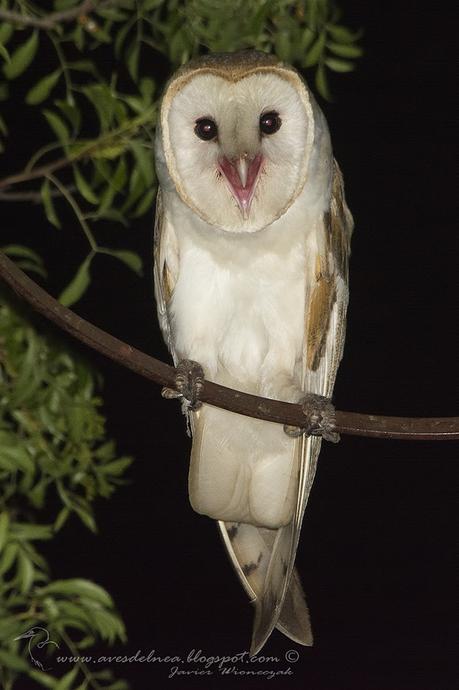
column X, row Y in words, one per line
column 260, row 557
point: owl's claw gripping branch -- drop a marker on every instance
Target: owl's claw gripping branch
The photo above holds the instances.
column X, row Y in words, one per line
column 320, row 419
column 189, row 381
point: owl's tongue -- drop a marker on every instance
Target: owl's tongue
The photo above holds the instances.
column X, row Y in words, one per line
column 242, row 176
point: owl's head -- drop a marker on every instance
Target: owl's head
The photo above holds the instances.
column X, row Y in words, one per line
column 235, row 138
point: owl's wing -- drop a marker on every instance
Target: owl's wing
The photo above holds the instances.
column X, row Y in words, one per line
column 281, row 604
column 166, row 263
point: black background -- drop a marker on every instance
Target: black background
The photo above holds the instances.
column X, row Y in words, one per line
column 376, row 548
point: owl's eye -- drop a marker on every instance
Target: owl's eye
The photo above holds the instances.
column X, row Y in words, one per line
column 206, row 129
column 270, row 123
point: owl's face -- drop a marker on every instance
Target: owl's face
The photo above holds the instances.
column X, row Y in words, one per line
column 237, row 150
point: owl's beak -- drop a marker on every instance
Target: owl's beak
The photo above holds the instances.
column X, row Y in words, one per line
column 242, row 174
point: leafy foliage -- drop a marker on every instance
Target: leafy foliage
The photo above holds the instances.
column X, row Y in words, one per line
column 107, row 169
column 53, row 451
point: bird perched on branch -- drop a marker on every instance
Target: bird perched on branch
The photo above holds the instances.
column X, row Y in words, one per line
column 251, row 270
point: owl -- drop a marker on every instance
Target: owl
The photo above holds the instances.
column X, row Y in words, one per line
column 251, row 255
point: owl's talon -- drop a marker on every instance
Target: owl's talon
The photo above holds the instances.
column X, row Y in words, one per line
column 320, row 419
column 189, row 380
column 293, row 431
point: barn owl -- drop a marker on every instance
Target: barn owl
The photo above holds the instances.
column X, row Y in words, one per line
column 251, row 262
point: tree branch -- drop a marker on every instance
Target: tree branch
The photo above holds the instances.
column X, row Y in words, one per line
column 53, row 19
column 42, row 171
column 35, row 197
column 353, row 423
column 85, row 151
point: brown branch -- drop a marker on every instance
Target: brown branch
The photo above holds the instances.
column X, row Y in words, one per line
column 42, row 171
column 55, row 18
column 35, row 197
column 353, row 423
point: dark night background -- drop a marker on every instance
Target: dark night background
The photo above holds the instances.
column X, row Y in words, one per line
column 377, row 541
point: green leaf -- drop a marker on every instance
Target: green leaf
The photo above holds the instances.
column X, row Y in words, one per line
column 79, row 37
column 103, row 100
column 137, row 104
column 13, row 661
column 22, row 252
column 75, row 611
column 22, row 57
column 315, row 52
column 26, row 572
column 86, row 518
column 133, row 60
column 147, row 89
column 110, row 214
column 37, row 494
column 119, row 179
column 72, row 114
column 132, row 260
column 4, row 53
column 26, row 258
column 58, row 126
column 78, row 285
column 6, row 31
column 66, row 681
column 177, row 47
column 111, row 13
column 83, row 66
column 8, row 557
column 84, row 188
column 111, row 150
column 10, row 627
column 283, row 45
column 144, row 159
column 43, row 679
column 322, row 82
column 25, row 531
column 43, row 88
column 61, row 518
column 344, row 50
column 306, row 39
column 30, row 267
column 116, row 467
column 145, row 203
column 339, row 65
column 4, row 525
column 342, row 34
column 121, row 37
column 136, row 189
column 108, row 624
column 48, row 204
column 79, row 587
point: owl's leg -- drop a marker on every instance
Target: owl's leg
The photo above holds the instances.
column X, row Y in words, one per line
column 189, row 380
column 320, row 419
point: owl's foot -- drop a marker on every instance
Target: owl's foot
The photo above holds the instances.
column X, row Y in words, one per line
column 320, row 419
column 189, row 381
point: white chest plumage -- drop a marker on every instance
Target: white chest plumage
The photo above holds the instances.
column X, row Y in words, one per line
column 239, row 301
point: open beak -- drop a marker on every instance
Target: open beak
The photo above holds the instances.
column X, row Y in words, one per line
column 242, row 174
